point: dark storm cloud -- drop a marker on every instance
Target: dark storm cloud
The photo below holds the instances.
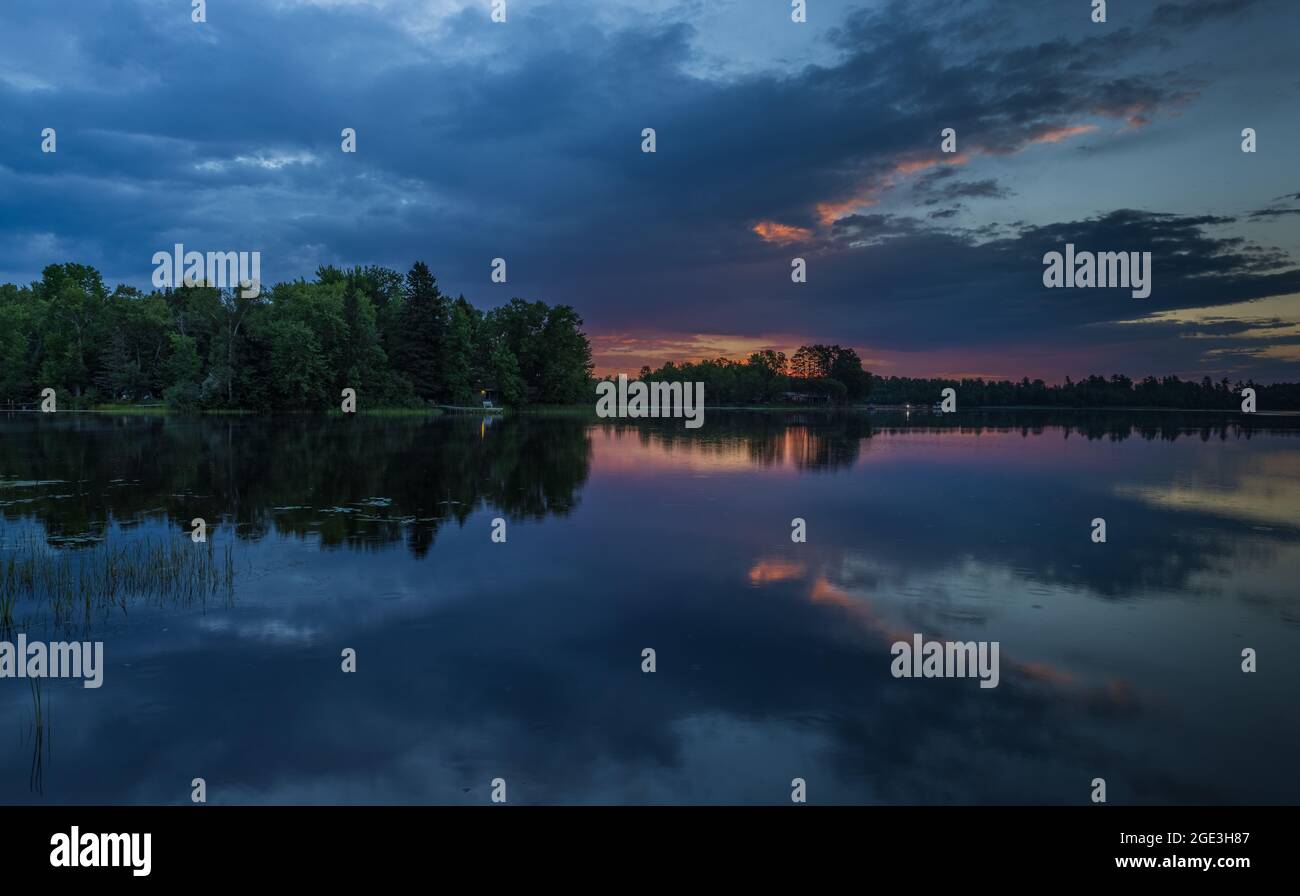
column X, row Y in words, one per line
column 860, row 230
column 980, row 189
column 523, row 142
column 1275, row 212
column 1197, row 12
column 530, row 149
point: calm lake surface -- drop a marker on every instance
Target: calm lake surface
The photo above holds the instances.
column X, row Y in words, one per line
column 523, row 660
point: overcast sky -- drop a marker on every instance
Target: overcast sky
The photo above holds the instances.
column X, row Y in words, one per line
column 775, row 140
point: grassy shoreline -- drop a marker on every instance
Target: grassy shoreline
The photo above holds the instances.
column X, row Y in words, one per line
column 164, row 411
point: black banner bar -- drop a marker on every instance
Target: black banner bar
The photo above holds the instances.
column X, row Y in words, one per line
column 329, row 845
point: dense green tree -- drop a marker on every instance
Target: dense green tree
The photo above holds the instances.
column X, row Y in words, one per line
column 567, row 364
column 458, row 355
column 74, row 304
column 420, row 334
column 818, row 372
column 182, row 372
column 118, row 376
column 16, row 339
column 505, row 376
column 184, row 364
column 553, row 354
column 518, row 325
column 299, row 374
column 846, row 368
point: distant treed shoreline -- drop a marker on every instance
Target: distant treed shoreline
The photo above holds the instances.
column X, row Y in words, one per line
column 401, row 343
column 832, row 375
column 1094, row 391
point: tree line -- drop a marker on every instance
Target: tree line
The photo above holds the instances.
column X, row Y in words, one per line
column 397, row 340
column 824, row 373
column 834, row 375
column 1091, row 392
column 401, row 342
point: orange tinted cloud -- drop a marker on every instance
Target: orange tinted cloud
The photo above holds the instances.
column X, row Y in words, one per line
column 1056, row 135
column 830, row 211
column 911, row 166
column 774, row 232
column 1137, row 114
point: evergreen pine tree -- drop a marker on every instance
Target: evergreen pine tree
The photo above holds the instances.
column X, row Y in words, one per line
column 421, row 334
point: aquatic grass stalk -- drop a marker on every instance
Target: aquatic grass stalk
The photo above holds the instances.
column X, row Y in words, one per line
column 40, row 741
column 108, row 575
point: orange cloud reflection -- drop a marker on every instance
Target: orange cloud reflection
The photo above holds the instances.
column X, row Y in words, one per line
column 768, row 570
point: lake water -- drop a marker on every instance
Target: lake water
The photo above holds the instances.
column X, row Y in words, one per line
column 522, row 660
